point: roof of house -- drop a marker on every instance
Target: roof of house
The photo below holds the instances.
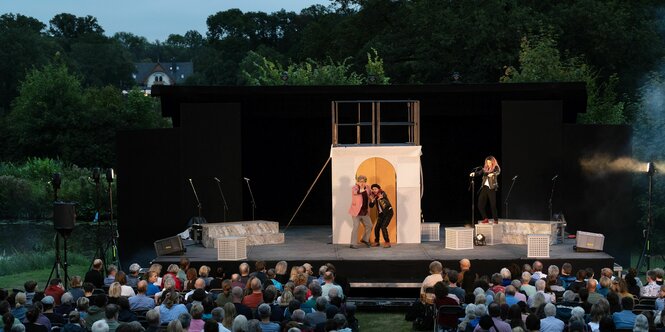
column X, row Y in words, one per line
column 145, row 69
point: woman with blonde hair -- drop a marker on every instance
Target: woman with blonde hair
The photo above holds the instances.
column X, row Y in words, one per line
column 157, row 268
column 285, row 298
column 121, row 278
column 204, row 273
column 115, row 291
column 280, row 272
column 294, row 273
column 489, row 186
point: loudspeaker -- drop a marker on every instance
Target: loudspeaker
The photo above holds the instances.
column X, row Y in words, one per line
column 168, row 246
column 590, row 241
column 64, row 217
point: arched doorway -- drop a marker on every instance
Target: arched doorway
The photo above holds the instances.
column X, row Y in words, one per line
column 380, row 171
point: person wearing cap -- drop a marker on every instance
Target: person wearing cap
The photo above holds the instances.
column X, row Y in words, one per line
column 133, row 276
column 385, row 214
column 48, row 302
column 359, row 211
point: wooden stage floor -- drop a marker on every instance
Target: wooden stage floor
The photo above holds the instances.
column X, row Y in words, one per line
column 401, row 263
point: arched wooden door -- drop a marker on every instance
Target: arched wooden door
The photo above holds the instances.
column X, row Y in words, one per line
column 380, row 171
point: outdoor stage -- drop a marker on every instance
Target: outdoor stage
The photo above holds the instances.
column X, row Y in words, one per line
column 402, row 266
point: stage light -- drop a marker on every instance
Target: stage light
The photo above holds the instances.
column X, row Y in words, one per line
column 479, row 239
column 650, row 169
column 110, row 175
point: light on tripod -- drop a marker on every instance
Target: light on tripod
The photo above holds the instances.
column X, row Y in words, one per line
column 650, row 169
column 110, row 175
column 96, row 174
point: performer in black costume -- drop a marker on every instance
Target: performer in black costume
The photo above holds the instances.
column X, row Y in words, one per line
column 385, row 209
column 490, row 185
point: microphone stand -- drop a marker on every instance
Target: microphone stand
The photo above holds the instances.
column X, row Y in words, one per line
column 551, row 196
column 252, row 196
column 200, row 219
column 226, row 207
column 472, row 188
column 508, row 195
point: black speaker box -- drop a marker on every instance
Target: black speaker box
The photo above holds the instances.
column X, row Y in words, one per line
column 170, row 245
column 64, row 216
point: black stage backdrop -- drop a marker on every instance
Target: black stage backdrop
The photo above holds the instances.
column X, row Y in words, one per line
column 280, row 137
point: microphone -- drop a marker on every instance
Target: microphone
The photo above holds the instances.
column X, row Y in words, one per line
column 216, row 179
column 556, row 176
column 246, row 179
column 514, row 177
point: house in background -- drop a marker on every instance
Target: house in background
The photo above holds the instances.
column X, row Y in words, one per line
column 147, row 74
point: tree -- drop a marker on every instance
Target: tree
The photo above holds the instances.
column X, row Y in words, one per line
column 68, row 26
column 137, row 46
column 258, row 70
column 29, row 47
column 540, row 61
column 55, row 117
column 45, row 112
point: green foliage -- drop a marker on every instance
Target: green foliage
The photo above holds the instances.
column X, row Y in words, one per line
column 540, row 61
column 258, row 70
column 648, row 142
column 26, row 191
column 55, row 117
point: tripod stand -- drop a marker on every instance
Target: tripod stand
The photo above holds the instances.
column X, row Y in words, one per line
column 63, row 223
column 111, row 241
column 645, row 257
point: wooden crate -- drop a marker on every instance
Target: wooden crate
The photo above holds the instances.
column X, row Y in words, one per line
column 493, row 233
column 429, row 231
column 459, row 238
column 231, row 248
column 538, row 246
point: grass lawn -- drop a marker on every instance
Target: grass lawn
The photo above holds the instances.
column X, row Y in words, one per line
column 382, row 322
column 41, row 276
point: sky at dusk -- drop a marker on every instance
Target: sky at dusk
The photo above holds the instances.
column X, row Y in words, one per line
column 151, row 19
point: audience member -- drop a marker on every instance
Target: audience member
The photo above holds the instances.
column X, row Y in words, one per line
column 141, row 301
column 196, row 324
column 133, row 276
column 111, row 314
column 100, row 326
column 94, row 276
column 566, row 276
column 97, row 310
column 171, row 308
column 111, row 271
column 651, row 289
column 527, row 288
column 579, row 282
column 593, row 294
column 625, row 319
column 550, row 323
column 241, row 309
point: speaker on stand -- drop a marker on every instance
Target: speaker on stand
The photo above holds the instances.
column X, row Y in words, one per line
column 64, row 221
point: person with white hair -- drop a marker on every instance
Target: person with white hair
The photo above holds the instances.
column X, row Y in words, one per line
column 359, row 211
column 469, row 316
column 540, row 289
column 641, row 324
column 551, row 323
column 239, row 324
column 435, row 270
column 100, row 326
column 505, row 276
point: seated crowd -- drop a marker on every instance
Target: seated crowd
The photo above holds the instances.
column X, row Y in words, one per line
column 184, row 299
column 529, row 298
